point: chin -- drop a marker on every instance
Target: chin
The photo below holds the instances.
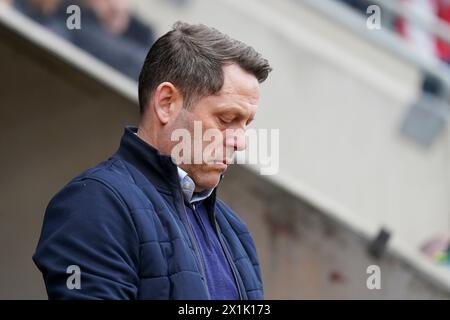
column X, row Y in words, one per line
column 209, row 180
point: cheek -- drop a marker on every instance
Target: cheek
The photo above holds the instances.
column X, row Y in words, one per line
column 211, row 135
column 208, row 120
column 215, row 141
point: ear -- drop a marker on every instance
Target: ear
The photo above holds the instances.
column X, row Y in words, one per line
column 167, row 101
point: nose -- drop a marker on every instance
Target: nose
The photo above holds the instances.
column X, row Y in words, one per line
column 235, row 139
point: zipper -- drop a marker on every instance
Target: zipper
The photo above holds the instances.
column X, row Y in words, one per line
column 196, row 248
column 228, row 257
column 198, row 254
column 196, row 242
column 224, row 247
column 230, row 261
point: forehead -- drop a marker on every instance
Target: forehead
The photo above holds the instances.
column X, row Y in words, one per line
column 239, row 93
column 239, row 83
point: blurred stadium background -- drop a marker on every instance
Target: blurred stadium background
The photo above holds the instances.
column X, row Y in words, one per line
column 363, row 112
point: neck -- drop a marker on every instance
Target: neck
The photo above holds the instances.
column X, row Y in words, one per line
column 148, row 136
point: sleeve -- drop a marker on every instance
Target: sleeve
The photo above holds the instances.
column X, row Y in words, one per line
column 89, row 246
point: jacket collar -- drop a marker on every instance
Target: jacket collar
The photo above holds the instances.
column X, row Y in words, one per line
column 158, row 168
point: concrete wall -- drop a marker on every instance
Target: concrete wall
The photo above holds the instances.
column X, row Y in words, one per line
column 306, row 253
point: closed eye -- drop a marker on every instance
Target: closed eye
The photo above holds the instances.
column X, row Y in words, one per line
column 225, row 120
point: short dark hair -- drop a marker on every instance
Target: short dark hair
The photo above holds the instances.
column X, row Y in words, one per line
column 191, row 57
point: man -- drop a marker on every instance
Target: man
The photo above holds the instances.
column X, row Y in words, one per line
column 139, row 226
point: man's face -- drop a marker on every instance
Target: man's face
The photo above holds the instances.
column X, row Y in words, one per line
column 229, row 112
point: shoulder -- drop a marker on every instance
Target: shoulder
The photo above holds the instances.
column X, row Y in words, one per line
column 112, row 177
column 96, row 196
column 111, row 173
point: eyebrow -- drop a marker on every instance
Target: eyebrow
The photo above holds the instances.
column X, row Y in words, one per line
column 238, row 110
